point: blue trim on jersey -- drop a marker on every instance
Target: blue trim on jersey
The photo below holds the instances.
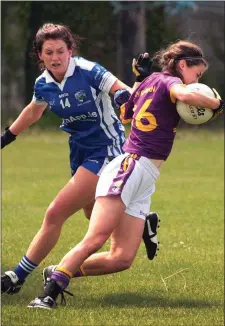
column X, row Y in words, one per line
column 82, row 101
column 114, row 139
column 121, row 139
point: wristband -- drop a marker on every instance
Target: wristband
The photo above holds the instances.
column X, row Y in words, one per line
column 7, row 137
column 9, row 134
column 221, row 106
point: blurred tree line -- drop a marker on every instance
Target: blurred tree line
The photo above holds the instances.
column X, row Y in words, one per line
column 114, row 32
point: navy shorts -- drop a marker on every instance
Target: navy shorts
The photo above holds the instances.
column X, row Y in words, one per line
column 93, row 160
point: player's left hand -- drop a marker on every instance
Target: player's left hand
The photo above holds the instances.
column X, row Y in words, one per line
column 121, row 96
column 142, row 67
column 219, row 111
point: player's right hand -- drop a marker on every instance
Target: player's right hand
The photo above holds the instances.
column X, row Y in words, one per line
column 7, row 137
column 219, row 111
column 142, row 67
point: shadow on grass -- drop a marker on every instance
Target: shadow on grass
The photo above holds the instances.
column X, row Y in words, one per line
column 121, row 300
column 33, row 288
column 143, row 300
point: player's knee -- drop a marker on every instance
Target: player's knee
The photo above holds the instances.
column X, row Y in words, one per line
column 125, row 263
column 52, row 217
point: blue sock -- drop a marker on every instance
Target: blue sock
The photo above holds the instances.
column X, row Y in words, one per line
column 24, row 268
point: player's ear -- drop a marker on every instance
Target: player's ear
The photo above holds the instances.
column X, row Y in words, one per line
column 40, row 56
column 182, row 64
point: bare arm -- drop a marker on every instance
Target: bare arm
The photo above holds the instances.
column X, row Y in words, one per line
column 183, row 94
column 119, row 85
column 30, row 114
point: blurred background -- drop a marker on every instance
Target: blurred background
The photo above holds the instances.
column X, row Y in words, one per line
column 114, row 32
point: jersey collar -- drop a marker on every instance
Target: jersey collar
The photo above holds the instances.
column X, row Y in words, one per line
column 71, row 68
column 69, row 72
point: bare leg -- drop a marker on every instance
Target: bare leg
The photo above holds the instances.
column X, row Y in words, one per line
column 75, row 195
column 125, row 241
column 101, row 226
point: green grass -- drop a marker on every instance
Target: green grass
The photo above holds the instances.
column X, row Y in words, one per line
column 190, row 200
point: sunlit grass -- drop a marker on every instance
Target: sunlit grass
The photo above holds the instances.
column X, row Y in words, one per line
column 190, row 200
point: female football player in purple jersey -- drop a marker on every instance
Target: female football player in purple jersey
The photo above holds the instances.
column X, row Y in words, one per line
column 127, row 183
column 77, row 90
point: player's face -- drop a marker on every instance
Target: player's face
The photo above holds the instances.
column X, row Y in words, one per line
column 191, row 74
column 55, row 56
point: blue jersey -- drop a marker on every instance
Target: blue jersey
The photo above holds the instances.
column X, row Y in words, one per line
column 82, row 101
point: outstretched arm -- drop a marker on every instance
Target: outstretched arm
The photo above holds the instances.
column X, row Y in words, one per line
column 119, row 85
column 30, row 114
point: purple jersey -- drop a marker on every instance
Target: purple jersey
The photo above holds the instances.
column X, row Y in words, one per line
column 155, row 118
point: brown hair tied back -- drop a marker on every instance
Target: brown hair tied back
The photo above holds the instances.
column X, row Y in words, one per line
column 168, row 58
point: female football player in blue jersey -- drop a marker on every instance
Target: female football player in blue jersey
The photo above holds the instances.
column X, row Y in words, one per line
column 127, row 183
column 77, row 90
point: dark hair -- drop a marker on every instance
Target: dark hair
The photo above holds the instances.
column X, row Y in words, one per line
column 55, row 32
column 168, row 58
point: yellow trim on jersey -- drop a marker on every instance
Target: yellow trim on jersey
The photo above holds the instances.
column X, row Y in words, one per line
column 122, row 113
column 122, row 110
column 172, row 97
column 65, row 271
column 126, row 121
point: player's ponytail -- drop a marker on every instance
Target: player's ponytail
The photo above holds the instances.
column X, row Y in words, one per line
column 168, row 58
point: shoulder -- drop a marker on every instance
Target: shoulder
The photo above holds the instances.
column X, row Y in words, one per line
column 41, row 80
column 169, row 79
column 84, row 63
column 166, row 81
column 164, row 77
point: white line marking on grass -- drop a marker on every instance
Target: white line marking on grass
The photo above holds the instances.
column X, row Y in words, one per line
column 178, row 272
column 164, row 283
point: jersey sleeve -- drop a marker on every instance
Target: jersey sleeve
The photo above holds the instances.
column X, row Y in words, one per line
column 126, row 112
column 170, row 82
column 102, row 78
column 38, row 93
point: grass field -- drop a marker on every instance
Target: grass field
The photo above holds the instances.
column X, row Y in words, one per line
column 190, row 200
